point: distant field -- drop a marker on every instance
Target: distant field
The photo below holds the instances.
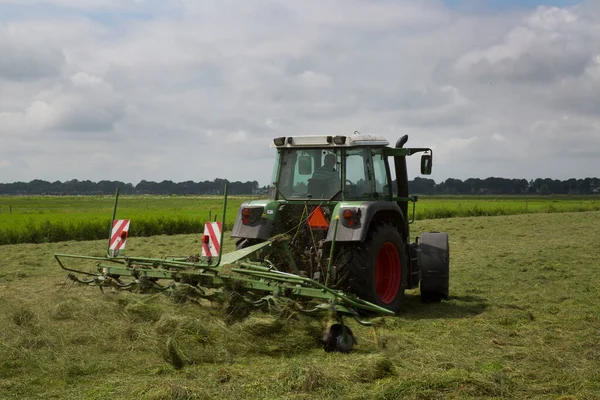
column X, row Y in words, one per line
column 431, row 207
column 39, row 219
column 522, row 322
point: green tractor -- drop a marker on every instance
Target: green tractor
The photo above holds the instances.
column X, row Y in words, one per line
column 331, row 238
column 333, row 204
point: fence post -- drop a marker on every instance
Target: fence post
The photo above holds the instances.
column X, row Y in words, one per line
column 10, row 209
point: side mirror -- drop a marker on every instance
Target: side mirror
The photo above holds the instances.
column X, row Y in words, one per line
column 305, row 165
column 426, row 161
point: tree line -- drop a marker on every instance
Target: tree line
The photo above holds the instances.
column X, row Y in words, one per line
column 496, row 186
column 86, row 187
column 451, row 186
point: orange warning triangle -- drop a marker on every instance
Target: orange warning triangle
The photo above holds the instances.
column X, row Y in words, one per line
column 317, row 219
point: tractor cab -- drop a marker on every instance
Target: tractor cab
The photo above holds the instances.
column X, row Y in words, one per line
column 331, row 168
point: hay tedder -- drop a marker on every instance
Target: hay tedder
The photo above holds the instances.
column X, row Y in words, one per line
column 331, row 237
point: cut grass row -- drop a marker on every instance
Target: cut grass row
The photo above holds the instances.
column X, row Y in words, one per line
column 522, row 323
column 42, row 219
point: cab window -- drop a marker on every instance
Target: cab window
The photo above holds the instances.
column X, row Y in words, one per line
column 309, row 173
column 382, row 183
column 358, row 178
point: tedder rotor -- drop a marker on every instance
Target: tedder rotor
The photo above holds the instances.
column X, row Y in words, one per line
column 331, row 238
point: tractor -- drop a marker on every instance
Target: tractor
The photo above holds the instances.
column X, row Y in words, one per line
column 333, row 196
column 331, row 237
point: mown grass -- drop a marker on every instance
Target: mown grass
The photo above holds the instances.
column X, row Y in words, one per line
column 522, row 322
column 44, row 219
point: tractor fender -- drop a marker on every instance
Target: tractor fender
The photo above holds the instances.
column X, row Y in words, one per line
column 370, row 211
column 258, row 228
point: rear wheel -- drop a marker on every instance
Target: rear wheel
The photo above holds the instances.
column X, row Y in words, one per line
column 435, row 266
column 375, row 270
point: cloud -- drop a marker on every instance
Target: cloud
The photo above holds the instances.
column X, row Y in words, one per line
column 68, row 4
column 167, row 89
column 500, row 138
column 236, row 137
column 27, row 61
column 549, row 45
column 79, row 104
column 86, row 103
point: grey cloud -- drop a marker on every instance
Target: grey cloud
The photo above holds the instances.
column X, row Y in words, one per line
column 529, row 68
column 89, row 118
column 565, row 137
column 548, row 46
column 439, row 118
column 24, row 62
column 82, row 103
column 578, row 94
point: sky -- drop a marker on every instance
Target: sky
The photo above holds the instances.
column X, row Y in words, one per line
column 194, row 90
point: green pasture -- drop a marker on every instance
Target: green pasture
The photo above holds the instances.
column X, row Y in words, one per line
column 522, row 322
column 16, row 209
column 429, row 207
column 40, row 219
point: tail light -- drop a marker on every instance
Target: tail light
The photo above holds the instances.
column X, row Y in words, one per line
column 351, row 217
column 251, row 214
column 246, row 215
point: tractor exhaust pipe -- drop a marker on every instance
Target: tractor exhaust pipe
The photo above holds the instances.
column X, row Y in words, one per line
column 402, row 179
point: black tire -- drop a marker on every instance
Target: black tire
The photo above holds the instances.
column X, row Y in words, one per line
column 338, row 338
column 435, row 266
column 376, row 269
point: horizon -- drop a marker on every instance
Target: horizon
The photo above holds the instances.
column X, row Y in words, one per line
column 268, row 184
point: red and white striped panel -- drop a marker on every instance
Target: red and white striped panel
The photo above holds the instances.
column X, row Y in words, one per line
column 211, row 240
column 118, row 236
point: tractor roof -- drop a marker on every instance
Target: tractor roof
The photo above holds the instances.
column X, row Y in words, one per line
column 356, row 140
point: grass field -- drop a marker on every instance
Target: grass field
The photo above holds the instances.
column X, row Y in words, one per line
column 522, row 322
column 40, row 219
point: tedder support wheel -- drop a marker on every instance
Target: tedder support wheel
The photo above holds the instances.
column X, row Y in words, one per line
column 338, row 338
column 375, row 269
column 435, row 266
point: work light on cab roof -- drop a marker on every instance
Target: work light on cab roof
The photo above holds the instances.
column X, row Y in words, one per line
column 329, row 141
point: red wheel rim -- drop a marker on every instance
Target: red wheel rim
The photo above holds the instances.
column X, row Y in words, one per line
column 387, row 272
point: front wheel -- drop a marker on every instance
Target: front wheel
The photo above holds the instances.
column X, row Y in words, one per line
column 376, row 269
